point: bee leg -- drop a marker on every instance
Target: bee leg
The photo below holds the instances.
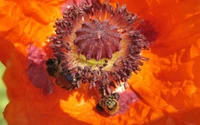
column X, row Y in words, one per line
column 99, row 108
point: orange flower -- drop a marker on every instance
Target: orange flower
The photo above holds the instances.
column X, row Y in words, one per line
column 167, row 85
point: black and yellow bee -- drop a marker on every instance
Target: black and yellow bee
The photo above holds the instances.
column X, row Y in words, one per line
column 109, row 104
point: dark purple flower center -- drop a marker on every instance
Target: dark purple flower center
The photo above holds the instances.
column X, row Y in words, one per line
column 97, row 39
column 97, row 45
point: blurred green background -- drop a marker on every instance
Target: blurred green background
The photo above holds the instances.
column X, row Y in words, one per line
column 3, row 97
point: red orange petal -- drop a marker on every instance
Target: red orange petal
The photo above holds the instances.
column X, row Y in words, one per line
column 168, row 85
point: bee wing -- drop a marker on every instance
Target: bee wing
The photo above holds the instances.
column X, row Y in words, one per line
column 62, row 82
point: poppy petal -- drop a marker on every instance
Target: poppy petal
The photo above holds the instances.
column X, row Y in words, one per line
column 168, row 85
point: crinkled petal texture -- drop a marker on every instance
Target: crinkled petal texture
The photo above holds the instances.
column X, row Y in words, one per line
column 168, row 85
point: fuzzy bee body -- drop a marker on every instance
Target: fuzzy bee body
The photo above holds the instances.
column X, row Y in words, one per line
column 53, row 67
column 109, row 104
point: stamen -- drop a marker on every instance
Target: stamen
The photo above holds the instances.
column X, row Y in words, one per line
column 99, row 45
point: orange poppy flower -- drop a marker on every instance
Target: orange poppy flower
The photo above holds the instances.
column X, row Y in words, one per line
column 167, row 87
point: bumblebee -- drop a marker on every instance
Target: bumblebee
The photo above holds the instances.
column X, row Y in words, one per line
column 109, row 104
column 53, row 67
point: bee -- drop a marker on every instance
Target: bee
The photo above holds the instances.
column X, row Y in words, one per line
column 53, row 67
column 109, row 104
